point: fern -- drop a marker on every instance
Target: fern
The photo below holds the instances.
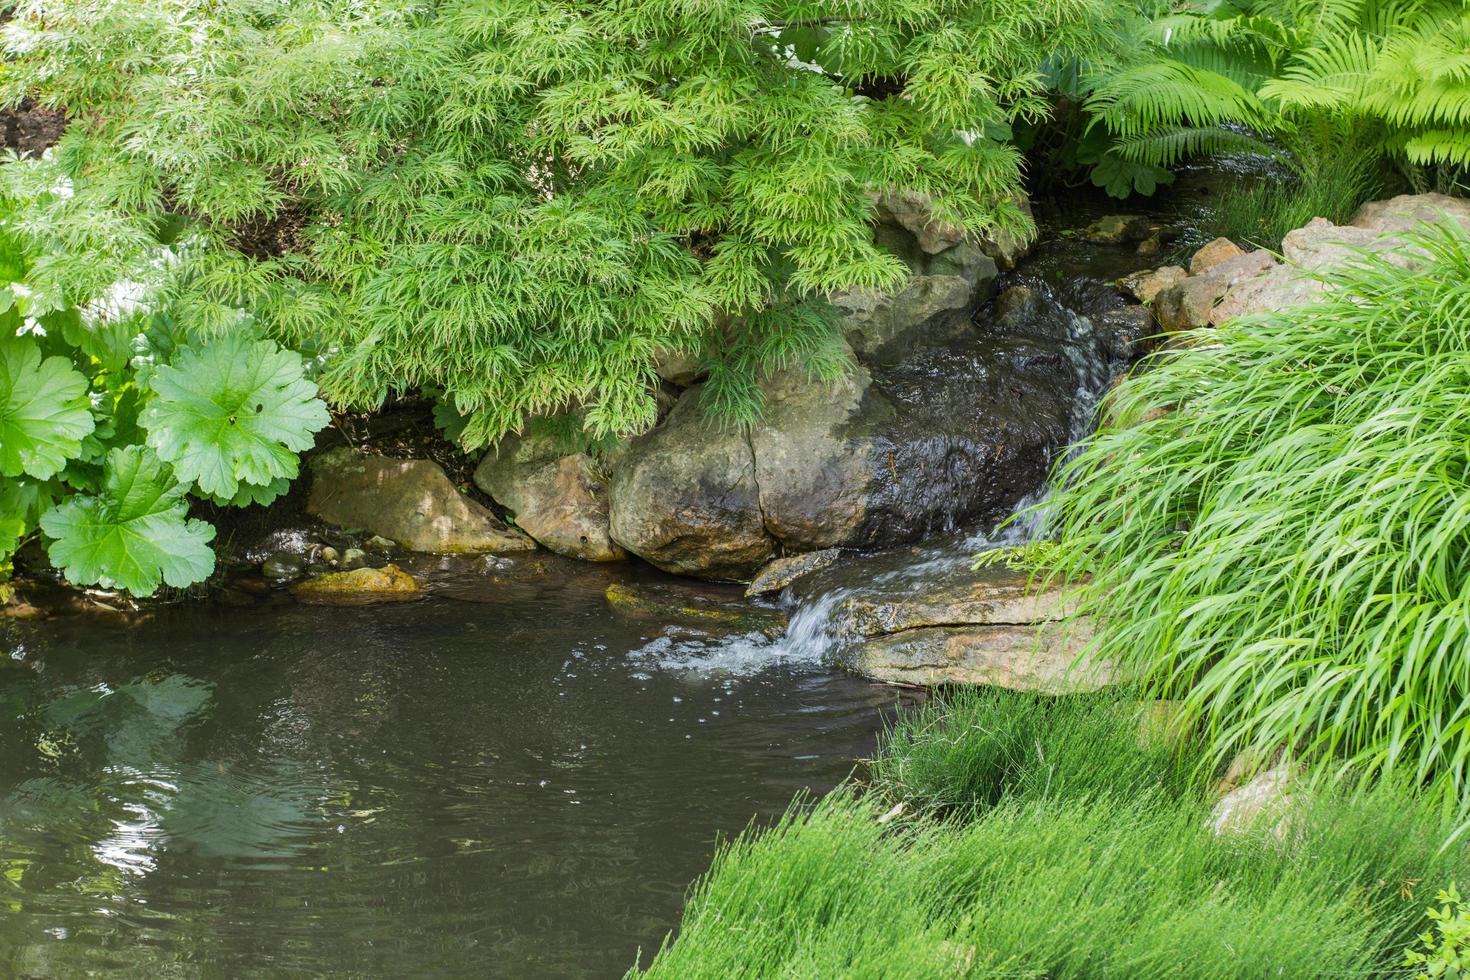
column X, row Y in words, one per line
column 1304, row 77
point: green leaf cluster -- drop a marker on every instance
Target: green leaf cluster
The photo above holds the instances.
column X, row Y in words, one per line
column 522, row 204
column 111, row 415
column 1286, row 546
column 1312, row 84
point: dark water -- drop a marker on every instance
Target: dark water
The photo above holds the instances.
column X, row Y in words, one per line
column 507, row 779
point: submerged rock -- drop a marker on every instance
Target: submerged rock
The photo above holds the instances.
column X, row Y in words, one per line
column 361, row 586
column 783, row 571
column 283, row 566
column 665, row 605
column 1120, row 229
column 557, row 498
column 411, row 501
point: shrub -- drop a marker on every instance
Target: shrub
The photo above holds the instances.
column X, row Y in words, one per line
column 1276, row 523
column 521, row 204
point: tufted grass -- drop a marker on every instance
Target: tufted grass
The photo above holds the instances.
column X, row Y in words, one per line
column 1287, row 547
column 1043, row 839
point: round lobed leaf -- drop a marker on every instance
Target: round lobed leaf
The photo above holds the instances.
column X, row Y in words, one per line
column 44, row 411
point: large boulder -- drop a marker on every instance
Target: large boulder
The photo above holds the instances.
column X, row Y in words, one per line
column 411, row 501
column 684, row 497
column 889, row 453
column 557, row 498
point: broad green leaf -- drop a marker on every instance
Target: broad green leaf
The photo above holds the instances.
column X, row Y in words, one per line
column 135, row 533
column 234, row 411
column 44, row 411
column 254, row 493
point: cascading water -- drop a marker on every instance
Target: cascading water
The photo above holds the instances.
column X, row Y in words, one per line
column 1069, row 313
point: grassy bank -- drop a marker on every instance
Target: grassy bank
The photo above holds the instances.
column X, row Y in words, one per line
column 1047, row 838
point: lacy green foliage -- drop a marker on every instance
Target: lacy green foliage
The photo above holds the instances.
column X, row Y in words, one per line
column 133, row 534
column 1017, row 855
column 232, row 416
column 1446, row 947
column 1304, row 82
column 1286, row 547
column 521, row 203
column 87, row 372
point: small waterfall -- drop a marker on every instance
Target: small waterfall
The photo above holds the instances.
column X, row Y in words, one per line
column 812, row 635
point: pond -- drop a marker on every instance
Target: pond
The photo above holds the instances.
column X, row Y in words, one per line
column 508, row 778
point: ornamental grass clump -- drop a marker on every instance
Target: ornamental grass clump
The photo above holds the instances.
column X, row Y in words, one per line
column 1286, row 547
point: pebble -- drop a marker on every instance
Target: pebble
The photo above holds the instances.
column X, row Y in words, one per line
column 282, row 566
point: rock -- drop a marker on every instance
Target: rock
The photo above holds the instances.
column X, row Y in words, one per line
column 989, row 597
column 558, row 499
column 664, row 604
column 950, row 432
column 1014, row 306
column 501, row 570
column 1126, row 332
column 1147, row 284
column 1266, row 797
column 1119, row 229
column 328, row 554
column 876, row 323
column 783, row 571
column 1191, row 303
column 361, row 586
column 283, row 567
column 353, row 558
column 1212, row 254
column 684, row 497
column 411, row 501
column 379, row 543
column 1150, row 246
column 1043, row 659
column 1008, row 249
column 914, row 211
column 678, row 368
column 1408, row 212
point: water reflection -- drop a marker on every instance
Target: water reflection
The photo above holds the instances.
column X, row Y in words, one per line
column 508, row 779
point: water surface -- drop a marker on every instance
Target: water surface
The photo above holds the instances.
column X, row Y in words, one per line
column 507, row 779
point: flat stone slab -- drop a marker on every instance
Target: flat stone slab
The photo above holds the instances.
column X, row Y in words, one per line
column 1041, row 659
column 992, row 597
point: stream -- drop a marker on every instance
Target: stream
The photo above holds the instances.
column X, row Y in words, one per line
column 513, row 777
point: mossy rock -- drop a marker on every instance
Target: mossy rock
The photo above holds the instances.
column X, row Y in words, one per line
column 359, row 587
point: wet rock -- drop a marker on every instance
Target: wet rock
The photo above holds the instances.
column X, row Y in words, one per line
column 1046, row 659
column 684, row 497
column 411, row 501
column 283, row 567
column 328, row 554
column 379, row 543
column 557, row 498
column 1126, row 332
column 361, row 586
column 1119, row 229
column 1144, row 286
column 1015, row 306
column 353, row 558
column 1212, row 254
column 989, row 597
column 885, row 455
column 515, row 571
column 1150, row 246
column 783, row 571
column 665, row 604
